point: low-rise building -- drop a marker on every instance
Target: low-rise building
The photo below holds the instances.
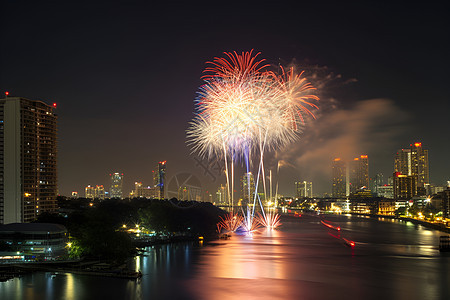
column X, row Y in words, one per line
column 32, row 241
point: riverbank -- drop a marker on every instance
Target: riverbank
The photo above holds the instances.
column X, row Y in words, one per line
column 436, row 226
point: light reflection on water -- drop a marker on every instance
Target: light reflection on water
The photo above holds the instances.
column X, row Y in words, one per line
column 302, row 260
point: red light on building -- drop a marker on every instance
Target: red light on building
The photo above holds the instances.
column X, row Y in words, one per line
column 54, row 105
column 397, row 174
column 418, row 144
column 6, row 93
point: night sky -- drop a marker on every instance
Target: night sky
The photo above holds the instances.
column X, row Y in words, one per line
column 124, row 76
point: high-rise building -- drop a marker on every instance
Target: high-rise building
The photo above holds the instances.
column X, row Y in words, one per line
column 414, row 162
column 116, row 185
column 28, row 166
column 359, row 173
column 304, row 189
column 159, row 178
column 99, row 192
column 376, row 182
column 222, row 195
column 402, row 161
column 339, row 174
column 247, row 188
column 419, row 164
column 405, row 186
column 89, row 192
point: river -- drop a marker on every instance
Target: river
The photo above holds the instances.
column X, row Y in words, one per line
column 302, row 260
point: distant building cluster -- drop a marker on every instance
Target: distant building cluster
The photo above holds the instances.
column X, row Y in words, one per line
column 155, row 191
column 409, row 184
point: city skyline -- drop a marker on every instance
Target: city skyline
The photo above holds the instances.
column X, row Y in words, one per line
column 124, row 83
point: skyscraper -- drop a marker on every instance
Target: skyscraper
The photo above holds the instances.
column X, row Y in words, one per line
column 402, row 161
column 339, row 174
column 359, row 173
column 419, row 164
column 99, row 192
column 89, row 192
column 116, row 185
column 159, row 178
column 28, row 166
column 413, row 162
column 303, row 189
column 247, row 188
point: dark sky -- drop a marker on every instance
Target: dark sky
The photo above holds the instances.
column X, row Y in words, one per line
column 125, row 74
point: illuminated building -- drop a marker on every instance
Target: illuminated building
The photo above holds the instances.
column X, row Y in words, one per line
column 247, row 190
column 99, row 192
column 222, row 195
column 116, row 185
column 141, row 191
column 414, row 162
column 74, row 195
column 405, row 186
column 28, row 165
column 339, row 174
column 159, row 179
column 32, row 241
column 402, row 161
column 419, row 164
column 359, row 173
column 89, row 192
column 385, row 191
column 303, row 189
column 376, row 182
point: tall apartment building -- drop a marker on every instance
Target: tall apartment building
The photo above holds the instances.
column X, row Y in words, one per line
column 89, row 192
column 304, row 189
column 405, row 186
column 359, row 173
column 116, row 185
column 339, row 174
column 247, row 188
column 413, row 162
column 419, row 164
column 28, row 165
column 402, row 161
column 159, row 178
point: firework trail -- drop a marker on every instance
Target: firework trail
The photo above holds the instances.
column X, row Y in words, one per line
column 244, row 109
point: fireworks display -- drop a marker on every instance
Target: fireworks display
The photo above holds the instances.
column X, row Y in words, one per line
column 244, row 109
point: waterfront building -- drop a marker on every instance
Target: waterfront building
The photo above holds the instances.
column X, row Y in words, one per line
column 159, row 179
column 386, row 207
column 359, row 173
column 304, row 189
column 405, row 186
column 28, row 165
column 247, row 188
column 339, row 174
column 116, row 185
column 32, row 241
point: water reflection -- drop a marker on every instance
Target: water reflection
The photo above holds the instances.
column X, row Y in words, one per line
column 302, row 260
